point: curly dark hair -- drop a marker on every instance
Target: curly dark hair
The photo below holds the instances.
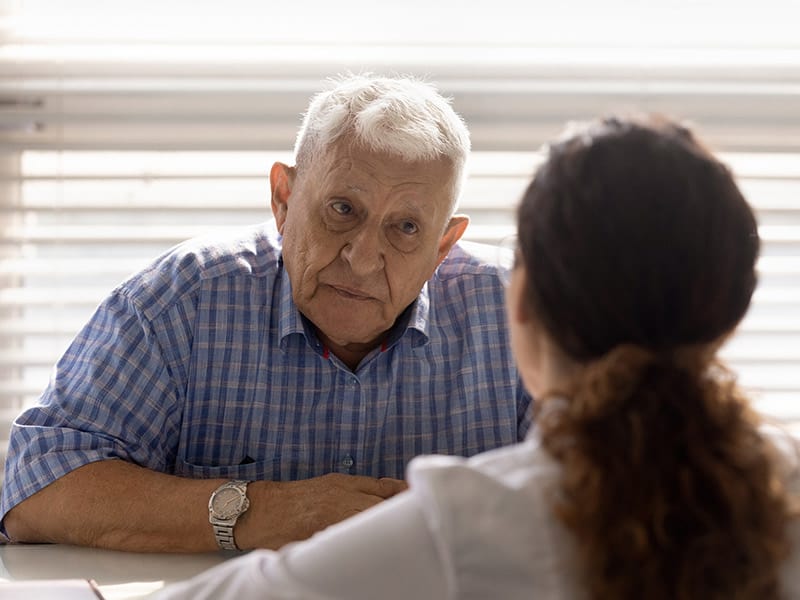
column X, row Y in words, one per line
column 641, row 255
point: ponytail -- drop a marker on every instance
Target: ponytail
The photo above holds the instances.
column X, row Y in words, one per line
column 667, row 485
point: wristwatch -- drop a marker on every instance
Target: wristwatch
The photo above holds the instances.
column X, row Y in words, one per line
column 228, row 502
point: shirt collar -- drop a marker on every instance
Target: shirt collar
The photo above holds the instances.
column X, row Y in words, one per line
column 419, row 320
column 291, row 321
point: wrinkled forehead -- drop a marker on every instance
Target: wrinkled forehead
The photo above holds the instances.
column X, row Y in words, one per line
column 351, row 164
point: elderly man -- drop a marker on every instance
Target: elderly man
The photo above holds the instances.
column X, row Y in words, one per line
column 246, row 393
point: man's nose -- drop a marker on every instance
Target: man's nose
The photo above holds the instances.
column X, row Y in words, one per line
column 364, row 252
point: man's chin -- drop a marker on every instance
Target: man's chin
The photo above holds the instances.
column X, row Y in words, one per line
column 349, row 328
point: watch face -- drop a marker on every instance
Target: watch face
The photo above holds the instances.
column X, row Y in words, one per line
column 227, row 503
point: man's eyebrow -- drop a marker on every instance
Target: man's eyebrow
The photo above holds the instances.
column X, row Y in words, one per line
column 347, row 188
column 416, row 208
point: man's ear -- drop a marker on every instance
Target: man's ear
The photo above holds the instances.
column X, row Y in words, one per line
column 452, row 233
column 281, row 181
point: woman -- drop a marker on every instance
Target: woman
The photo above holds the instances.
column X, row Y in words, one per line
column 647, row 476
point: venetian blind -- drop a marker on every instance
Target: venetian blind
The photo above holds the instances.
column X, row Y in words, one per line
column 125, row 130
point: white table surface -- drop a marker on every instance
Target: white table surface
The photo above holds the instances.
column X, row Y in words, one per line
column 119, row 575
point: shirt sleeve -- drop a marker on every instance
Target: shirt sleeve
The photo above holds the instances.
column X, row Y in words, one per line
column 111, row 397
column 386, row 552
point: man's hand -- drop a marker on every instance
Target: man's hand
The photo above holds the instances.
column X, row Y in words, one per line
column 281, row 512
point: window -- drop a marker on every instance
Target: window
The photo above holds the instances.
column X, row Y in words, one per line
column 126, row 127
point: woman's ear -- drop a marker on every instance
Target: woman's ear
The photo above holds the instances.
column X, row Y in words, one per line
column 517, row 296
column 281, row 181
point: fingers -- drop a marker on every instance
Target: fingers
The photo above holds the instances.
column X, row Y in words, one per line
column 392, row 486
column 385, row 487
column 363, row 502
column 375, row 492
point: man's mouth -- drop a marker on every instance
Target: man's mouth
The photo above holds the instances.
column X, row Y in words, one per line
column 351, row 293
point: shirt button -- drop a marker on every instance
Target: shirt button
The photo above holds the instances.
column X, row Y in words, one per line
column 347, row 461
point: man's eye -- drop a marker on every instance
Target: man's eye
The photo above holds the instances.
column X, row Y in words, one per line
column 409, row 227
column 342, row 208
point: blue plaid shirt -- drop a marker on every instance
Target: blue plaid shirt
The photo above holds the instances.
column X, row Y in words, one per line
column 201, row 366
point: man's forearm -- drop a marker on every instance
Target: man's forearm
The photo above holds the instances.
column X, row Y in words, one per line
column 115, row 504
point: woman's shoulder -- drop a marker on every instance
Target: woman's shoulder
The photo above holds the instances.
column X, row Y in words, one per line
column 492, row 521
column 785, row 440
column 514, row 465
column 496, row 490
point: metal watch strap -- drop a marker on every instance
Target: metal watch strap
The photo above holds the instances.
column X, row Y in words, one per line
column 224, row 535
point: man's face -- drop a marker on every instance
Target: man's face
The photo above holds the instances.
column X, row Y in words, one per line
column 362, row 232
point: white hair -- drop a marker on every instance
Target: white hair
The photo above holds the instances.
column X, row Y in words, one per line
column 402, row 116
